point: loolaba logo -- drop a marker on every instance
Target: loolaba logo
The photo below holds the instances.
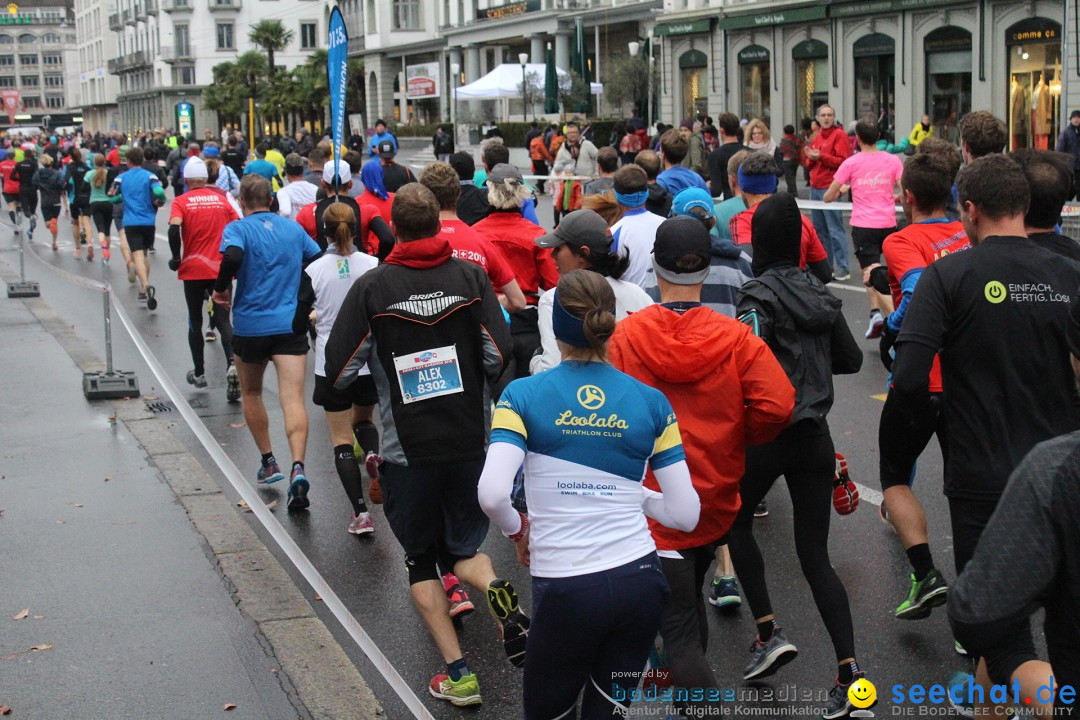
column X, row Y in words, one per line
column 591, row 397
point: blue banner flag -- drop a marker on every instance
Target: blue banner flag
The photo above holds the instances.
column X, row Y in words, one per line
column 337, row 60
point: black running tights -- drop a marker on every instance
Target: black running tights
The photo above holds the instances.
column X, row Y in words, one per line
column 803, row 454
column 195, row 294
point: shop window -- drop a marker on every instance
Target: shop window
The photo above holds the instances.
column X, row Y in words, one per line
column 875, row 62
column 948, row 79
column 754, row 83
column 693, row 66
column 1034, row 77
column 811, row 76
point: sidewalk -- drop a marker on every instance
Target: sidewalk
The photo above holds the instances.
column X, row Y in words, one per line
column 123, row 595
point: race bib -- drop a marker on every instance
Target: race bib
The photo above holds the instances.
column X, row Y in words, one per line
column 429, row 373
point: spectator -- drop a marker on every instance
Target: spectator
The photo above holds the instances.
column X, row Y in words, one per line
column 790, row 151
column 381, row 135
column 443, row 144
column 607, row 162
column 1069, row 143
column 921, row 131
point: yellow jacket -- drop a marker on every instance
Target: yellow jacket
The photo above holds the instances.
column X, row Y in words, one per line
column 918, row 134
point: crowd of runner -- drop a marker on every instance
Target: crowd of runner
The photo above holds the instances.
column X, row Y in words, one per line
column 619, row 393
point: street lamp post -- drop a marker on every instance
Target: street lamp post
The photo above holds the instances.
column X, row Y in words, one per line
column 633, row 46
column 524, row 58
column 455, row 68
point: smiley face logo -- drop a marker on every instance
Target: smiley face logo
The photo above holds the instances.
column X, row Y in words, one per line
column 590, row 397
column 862, row 693
column 995, row 292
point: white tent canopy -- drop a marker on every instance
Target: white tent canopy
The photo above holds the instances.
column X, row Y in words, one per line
column 505, row 82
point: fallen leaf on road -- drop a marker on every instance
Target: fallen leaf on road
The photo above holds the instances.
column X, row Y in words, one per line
column 236, row 425
column 59, row 522
column 5, row 710
column 12, row 656
column 230, row 706
column 242, row 504
column 39, row 617
column 21, row 615
column 318, row 598
column 272, row 504
column 46, row 646
column 149, row 398
column 78, row 504
column 107, row 479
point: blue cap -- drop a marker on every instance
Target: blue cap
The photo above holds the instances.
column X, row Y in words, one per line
column 210, row 151
column 692, row 198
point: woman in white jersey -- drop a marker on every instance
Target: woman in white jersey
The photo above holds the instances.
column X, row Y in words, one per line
column 587, row 433
column 331, row 276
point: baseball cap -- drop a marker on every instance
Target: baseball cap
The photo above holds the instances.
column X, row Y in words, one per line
column 1074, row 113
column 690, row 199
column 386, row 149
column 195, row 169
column 344, row 173
column 211, row 151
column 676, row 238
column 582, row 228
column 503, row 172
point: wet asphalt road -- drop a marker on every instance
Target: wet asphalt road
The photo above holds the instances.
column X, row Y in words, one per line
column 369, row 574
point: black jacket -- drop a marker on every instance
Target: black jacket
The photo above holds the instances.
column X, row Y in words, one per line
column 75, row 174
column 801, row 321
column 50, row 182
column 24, row 173
column 403, row 311
column 659, row 201
column 443, row 144
column 472, row 204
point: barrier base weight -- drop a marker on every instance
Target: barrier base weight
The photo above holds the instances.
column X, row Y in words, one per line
column 23, row 290
column 108, row 386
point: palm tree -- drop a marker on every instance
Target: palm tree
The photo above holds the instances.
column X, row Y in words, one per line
column 271, row 36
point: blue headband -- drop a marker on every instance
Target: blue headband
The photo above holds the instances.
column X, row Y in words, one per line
column 632, row 200
column 569, row 329
column 757, row 184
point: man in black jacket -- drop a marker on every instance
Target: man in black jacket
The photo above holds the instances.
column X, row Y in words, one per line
column 432, row 333
column 472, row 206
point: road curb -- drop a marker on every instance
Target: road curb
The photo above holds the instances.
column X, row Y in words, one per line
column 316, row 672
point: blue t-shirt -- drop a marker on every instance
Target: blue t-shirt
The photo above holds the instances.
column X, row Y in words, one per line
column 678, row 178
column 373, row 142
column 136, row 187
column 269, row 277
column 262, row 167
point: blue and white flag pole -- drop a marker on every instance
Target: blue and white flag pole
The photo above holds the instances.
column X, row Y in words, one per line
column 337, row 61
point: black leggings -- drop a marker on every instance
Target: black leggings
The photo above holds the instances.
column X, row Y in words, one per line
column 901, row 442
column 102, row 213
column 29, row 202
column 803, row 454
column 195, row 294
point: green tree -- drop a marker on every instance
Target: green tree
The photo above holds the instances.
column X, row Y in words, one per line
column 271, row 36
column 531, row 91
column 573, row 90
column 627, row 83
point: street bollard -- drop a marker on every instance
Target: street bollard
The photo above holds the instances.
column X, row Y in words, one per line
column 111, row 383
column 23, row 288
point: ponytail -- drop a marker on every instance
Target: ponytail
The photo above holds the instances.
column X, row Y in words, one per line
column 338, row 222
column 99, row 171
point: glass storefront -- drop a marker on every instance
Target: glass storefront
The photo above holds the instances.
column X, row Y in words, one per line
column 693, row 66
column 811, row 76
column 875, row 84
column 948, row 79
column 754, row 83
column 1034, row 75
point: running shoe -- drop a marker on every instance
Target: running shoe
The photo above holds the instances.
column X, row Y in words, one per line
column 90, row 252
column 877, row 321
column 361, row 524
column 465, row 691
column 54, row 228
column 298, row 490
column 232, row 384
column 106, row 252
column 269, row 473
column 210, row 336
column 198, row 381
column 131, row 272
column 460, row 604
column 842, row 276
column 930, row 592
column 371, row 464
column 33, row 225
column 55, row 247
column 142, row 297
column 513, row 624
column 724, row 593
column 762, row 510
column 839, row 705
column 959, row 685
column 769, row 656
column 151, row 298
column 959, row 649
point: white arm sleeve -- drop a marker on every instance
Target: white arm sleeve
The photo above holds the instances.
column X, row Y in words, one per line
column 497, row 482
column 678, row 506
column 550, row 355
column 284, row 205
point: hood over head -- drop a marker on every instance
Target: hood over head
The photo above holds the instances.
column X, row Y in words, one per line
column 678, row 347
column 776, row 233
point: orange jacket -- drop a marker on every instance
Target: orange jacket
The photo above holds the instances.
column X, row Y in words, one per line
column 728, row 391
column 539, row 151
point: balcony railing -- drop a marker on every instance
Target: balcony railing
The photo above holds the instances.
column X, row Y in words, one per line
column 113, row 66
column 140, row 12
column 171, row 6
column 220, row 5
column 114, row 22
column 172, row 54
column 356, row 44
column 152, row 7
column 128, row 16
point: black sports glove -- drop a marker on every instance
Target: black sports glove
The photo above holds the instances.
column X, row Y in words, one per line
column 879, row 279
column 174, row 264
column 885, row 344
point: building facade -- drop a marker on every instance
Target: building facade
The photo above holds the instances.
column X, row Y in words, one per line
column 166, row 51
column 98, row 87
column 38, row 61
column 893, row 60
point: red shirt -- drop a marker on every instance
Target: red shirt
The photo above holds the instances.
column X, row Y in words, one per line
column 10, row 186
column 113, row 158
column 913, row 249
column 306, row 218
column 515, row 237
column 835, row 148
column 204, row 214
column 475, row 248
column 810, row 250
column 383, row 206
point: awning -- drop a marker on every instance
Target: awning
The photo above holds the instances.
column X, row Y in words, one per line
column 505, row 82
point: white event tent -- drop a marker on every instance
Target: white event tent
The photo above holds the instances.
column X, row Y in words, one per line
column 505, row 82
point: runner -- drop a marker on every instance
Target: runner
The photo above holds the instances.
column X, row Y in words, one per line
column 196, row 224
column 824, row 154
column 1050, row 178
column 635, row 232
column 394, row 175
column 50, row 183
column 803, row 325
column 728, row 391
column 114, row 171
column 925, row 189
column 296, row 193
column 23, row 174
column 264, row 252
column 976, row 308
column 101, row 205
column 675, row 177
column 326, row 282
column 441, row 339
column 873, row 177
column 10, row 184
column 142, row 194
column 659, row 201
column 598, row 598
column 375, row 194
column 582, row 241
column 371, row 234
column 79, row 203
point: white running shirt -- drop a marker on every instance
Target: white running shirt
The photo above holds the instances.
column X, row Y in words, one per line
column 331, row 277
